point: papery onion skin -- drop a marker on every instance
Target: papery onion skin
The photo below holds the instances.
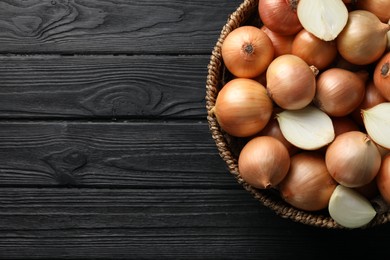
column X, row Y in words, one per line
column 352, row 159
column 291, row 82
column 308, row 184
column 263, row 162
column 383, row 179
column 380, row 8
column 313, row 50
column 282, row 43
column 363, row 40
column 280, row 16
column 242, row 107
column 382, row 76
column 247, row 51
column 339, row 92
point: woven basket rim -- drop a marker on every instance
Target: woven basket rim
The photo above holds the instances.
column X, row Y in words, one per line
column 214, row 82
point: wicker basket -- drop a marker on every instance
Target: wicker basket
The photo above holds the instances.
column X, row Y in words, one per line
column 229, row 147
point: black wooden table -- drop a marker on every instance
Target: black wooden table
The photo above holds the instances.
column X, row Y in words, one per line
column 105, row 150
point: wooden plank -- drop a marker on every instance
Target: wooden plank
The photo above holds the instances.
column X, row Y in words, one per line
column 107, row 26
column 103, row 86
column 113, row 154
column 163, row 224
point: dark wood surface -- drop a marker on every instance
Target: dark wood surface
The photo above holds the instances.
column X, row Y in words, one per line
column 105, row 150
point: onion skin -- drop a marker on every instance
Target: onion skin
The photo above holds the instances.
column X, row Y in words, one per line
column 242, row 107
column 247, row 51
column 313, row 50
column 308, row 184
column 380, row 8
column 383, row 179
column 363, row 40
column 291, row 82
column 280, row 16
column 382, row 76
column 282, row 43
column 352, row 159
column 339, row 92
column 263, row 162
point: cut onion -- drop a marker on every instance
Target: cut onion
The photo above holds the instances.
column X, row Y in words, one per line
column 324, row 19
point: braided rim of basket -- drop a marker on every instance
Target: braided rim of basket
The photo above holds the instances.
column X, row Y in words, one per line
column 216, row 71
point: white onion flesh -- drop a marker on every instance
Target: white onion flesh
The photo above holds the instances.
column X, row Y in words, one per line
column 377, row 123
column 309, row 128
column 323, row 18
column 349, row 208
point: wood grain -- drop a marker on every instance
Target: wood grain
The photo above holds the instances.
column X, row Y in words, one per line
column 162, row 224
column 116, row 154
column 103, row 86
column 112, row 26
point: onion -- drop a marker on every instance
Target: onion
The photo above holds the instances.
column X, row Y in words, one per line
column 349, row 208
column 242, row 107
column 282, row 43
column 324, row 19
column 382, row 76
column 273, row 129
column 377, row 123
column 383, row 179
column 308, row 128
column 339, row 91
column 380, row 8
column 263, row 162
column 308, row 184
column 280, row 16
column 313, row 50
column 363, row 39
column 247, row 51
column 291, row 82
column 353, row 159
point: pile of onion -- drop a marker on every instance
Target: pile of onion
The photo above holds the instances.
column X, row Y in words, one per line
column 308, row 94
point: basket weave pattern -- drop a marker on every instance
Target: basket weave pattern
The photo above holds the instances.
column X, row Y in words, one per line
column 215, row 80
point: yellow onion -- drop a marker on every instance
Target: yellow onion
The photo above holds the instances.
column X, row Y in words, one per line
column 291, row 82
column 383, row 179
column 280, row 16
column 242, row 107
column 339, row 91
column 308, row 184
column 263, row 162
column 349, row 208
column 247, row 51
column 282, row 43
column 382, row 76
column 313, row 50
column 380, row 8
column 353, row 159
column 363, row 40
